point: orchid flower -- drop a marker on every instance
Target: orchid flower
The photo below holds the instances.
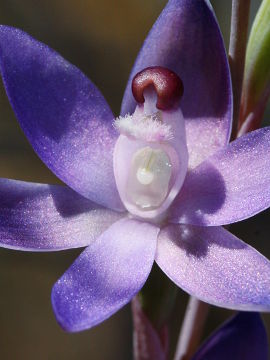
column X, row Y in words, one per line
column 154, row 184
column 243, row 337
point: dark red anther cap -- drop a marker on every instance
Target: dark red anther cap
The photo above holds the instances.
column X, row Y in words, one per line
column 167, row 84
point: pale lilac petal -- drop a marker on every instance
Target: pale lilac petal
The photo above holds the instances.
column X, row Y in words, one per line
column 106, row 275
column 232, row 185
column 40, row 217
column 213, row 265
column 186, row 39
column 63, row 115
column 241, row 338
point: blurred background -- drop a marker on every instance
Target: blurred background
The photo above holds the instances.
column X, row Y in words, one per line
column 102, row 38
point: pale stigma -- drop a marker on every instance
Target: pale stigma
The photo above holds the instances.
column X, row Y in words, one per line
column 149, row 177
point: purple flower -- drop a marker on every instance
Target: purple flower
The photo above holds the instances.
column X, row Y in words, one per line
column 243, row 337
column 196, row 180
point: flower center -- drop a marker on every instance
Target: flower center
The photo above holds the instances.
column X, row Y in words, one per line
column 150, row 155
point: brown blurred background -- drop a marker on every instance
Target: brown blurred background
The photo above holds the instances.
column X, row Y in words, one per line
column 102, row 38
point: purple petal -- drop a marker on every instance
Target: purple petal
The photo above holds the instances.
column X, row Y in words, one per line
column 63, row 115
column 232, row 185
column 39, row 217
column 241, row 338
column 106, row 275
column 186, row 39
column 213, row 265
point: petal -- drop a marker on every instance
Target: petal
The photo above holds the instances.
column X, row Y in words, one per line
column 105, row 276
column 186, row 39
column 213, row 265
column 40, row 217
column 63, row 115
column 241, row 338
column 232, row 185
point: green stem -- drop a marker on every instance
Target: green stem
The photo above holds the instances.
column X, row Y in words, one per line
column 237, row 53
column 192, row 328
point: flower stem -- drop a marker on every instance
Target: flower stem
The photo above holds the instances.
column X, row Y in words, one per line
column 151, row 310
column 237, row 53
column 192, row 327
